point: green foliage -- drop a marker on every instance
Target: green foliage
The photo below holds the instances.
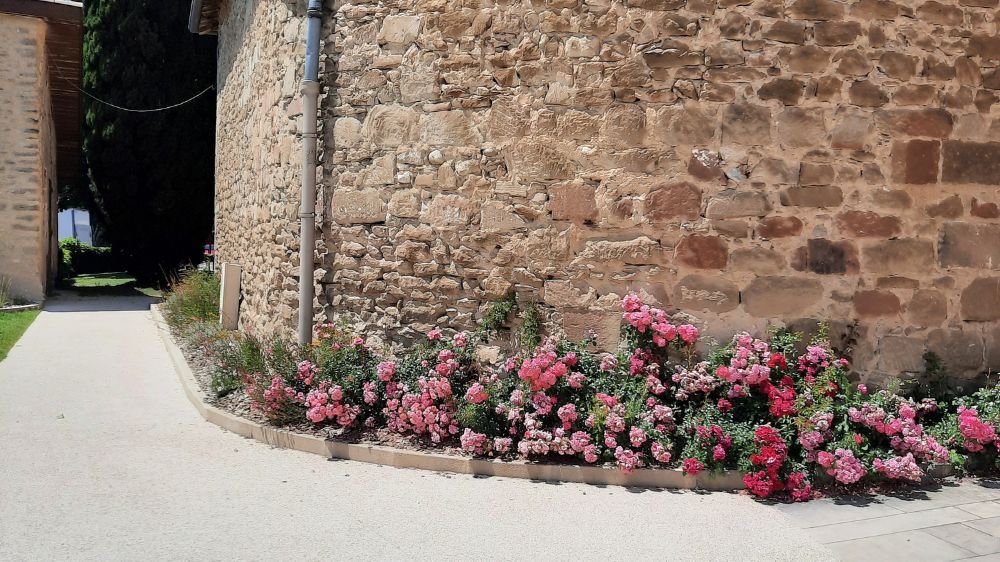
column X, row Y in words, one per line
column 6, row 298
column 531, row 327
column 150, row 174
column 496, row 316
column 195, row 298
column 80, row 258
column 12, row 325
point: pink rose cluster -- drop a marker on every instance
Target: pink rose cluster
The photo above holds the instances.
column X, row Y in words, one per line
column 429, row 411
column 842, row 465
column 977, row 434
column 899, row 468
column 645, row 318
column 326, row 402
column 905, row 434
column 545, row 368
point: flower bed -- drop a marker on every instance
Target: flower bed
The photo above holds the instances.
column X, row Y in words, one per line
column 787, row 419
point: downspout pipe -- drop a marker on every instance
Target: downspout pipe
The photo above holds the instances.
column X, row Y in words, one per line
column 307, row 208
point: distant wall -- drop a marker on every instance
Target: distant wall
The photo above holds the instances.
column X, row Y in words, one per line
column 27, row 156
column 745, row 163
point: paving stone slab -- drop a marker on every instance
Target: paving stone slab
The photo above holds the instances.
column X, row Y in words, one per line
column 891, row 524
column 830, row 511
column 989, row 525
column 950, row 495
column 963, row 536
column 982, row 509
column 912, row 546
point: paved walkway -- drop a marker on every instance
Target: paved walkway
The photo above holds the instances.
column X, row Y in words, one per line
column 102, row 457
column 949, row 522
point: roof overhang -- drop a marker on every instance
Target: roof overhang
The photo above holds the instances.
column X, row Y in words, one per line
column 203, row 18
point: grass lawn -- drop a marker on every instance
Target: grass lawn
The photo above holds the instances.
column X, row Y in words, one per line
column 112, row 283
column 12, row 325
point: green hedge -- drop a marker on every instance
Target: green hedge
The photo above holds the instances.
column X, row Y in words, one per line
column 80, row 258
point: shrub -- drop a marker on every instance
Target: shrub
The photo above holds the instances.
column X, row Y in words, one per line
column 194, row 298
column 781, row 412
column 78, row 258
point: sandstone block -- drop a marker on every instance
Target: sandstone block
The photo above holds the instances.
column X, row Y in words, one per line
column 607, row 326
column 733, row 204
column 932, row 122
column 984, row 210
column 533, row 160
column 971, row 162
column 896, row 256
column 769, row 297
column 899, row 354
column 702, row 252
column 898, row 65
column 961, row 351
column 357, row 207
column 819, row 196
column 786, row 90
column 448, row 212
column 825, row 257
column 640, row 250
column 779, row 227
column 832, row 33
column 916, row 161
column 870, row 304
column 786, row 32
column 706, row 293
column 573, row 201
column 760, row 261
column 948, row 208
column 497, row 217
column 390, row 126
column 866, row 224
column 867, row 94
column 928, row 307
column 817, row 10
column 673, row 201
column 747, row 124
column 970, row 245
column 400, row 30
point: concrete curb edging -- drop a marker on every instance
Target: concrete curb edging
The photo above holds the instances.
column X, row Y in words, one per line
column 402, row 458
column 20, row 308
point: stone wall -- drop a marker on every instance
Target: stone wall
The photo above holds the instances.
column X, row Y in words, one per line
column 27, row 156
column 746, row 163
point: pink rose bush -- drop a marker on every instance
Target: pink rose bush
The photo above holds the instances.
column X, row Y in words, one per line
column 781, row 412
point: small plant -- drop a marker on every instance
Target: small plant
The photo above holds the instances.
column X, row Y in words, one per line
column 5, row 297
column 496, row 316
column 194, row 298
column 531, row 327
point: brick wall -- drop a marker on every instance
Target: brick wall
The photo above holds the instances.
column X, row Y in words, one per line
column 746, row 163
column 27, row 156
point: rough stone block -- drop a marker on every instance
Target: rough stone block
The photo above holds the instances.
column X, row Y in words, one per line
column 970, row 245
column 747, row 124
column 357, row 207
column 825, row 257
column 702, row 252
column 981, row 300
column 733, row 204
column 768, row 297
column 901, row 255
column 574, row 201
column 673, row 201
column 866, row 224
column 779, row 227
column 819, row 196
column 971, row 162
column 869, row 304
column 916, row 161
column 706, row 293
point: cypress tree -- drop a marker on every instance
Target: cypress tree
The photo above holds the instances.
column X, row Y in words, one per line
column 151, row 174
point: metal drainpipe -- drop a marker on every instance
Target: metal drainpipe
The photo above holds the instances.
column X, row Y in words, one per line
column 307, row 208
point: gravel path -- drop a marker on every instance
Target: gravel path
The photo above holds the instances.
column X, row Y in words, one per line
column 104, row 458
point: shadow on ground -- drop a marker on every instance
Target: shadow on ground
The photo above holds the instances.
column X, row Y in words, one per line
column 70, row 301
